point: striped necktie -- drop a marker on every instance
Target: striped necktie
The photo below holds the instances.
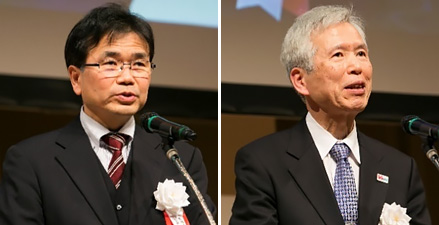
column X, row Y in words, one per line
column 344, row 184
column 115, row 142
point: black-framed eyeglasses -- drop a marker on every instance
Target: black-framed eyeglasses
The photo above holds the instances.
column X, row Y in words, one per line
column 113, row 68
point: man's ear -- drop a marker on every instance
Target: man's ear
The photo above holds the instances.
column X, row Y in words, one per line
column 75, row 75
column 298, row 80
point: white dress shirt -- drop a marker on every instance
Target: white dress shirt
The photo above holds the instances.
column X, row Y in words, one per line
column 95, row 131
column 324, row 141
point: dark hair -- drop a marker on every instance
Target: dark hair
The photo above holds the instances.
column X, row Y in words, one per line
column 109, row 20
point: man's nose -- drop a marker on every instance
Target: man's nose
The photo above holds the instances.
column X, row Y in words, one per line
column 354, row 65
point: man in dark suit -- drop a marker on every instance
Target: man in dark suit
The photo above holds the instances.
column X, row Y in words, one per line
column 102, row 168
column 324, row 171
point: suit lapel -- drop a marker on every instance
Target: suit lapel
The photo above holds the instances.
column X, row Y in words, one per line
column 372, row 191
column 308, row 171
column 146, row 174
column 80, row 162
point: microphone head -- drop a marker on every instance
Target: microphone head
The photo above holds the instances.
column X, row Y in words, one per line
column 406, row 123
column 153, row 123
column 145, row 120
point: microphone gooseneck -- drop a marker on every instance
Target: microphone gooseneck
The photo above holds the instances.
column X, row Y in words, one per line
column 175, row 158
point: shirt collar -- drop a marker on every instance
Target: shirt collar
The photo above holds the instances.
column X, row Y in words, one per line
column 324, row 140
column 95, row 130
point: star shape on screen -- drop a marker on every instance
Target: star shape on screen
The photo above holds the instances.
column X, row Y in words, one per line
column 274, row 7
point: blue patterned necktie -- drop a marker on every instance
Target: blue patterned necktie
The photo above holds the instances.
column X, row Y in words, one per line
column 344, row 184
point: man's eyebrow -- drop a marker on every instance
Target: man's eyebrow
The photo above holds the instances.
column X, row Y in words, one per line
column 111, row 54
column 343, row 47
column 139, row 55
column 362, row 46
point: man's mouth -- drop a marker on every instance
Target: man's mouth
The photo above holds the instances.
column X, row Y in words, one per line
column 126, row 97
column 127, row 94
column 356, row 86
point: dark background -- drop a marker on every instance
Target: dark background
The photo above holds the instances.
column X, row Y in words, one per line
column 30, row 106
column 250, row 112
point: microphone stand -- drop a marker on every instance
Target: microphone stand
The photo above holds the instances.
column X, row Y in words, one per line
column 430, row 151
column 172, row 154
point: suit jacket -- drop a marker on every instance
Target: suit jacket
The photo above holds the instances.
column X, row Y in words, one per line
column 281, row 179
column 56, row 179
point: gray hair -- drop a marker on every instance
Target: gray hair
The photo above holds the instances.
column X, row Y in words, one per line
column 297, row 48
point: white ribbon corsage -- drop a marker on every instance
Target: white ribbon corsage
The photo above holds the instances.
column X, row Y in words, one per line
column 394, row 215
column 171, row 197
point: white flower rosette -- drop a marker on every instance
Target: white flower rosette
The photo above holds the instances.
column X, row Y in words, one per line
column 394, row 214
column 171, row 197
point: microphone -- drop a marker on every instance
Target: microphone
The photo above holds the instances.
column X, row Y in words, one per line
column 428, row 132
column 153, row 123
column 414, row 125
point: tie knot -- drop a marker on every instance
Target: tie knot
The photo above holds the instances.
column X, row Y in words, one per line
column 340, row 151
column 115, row 141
